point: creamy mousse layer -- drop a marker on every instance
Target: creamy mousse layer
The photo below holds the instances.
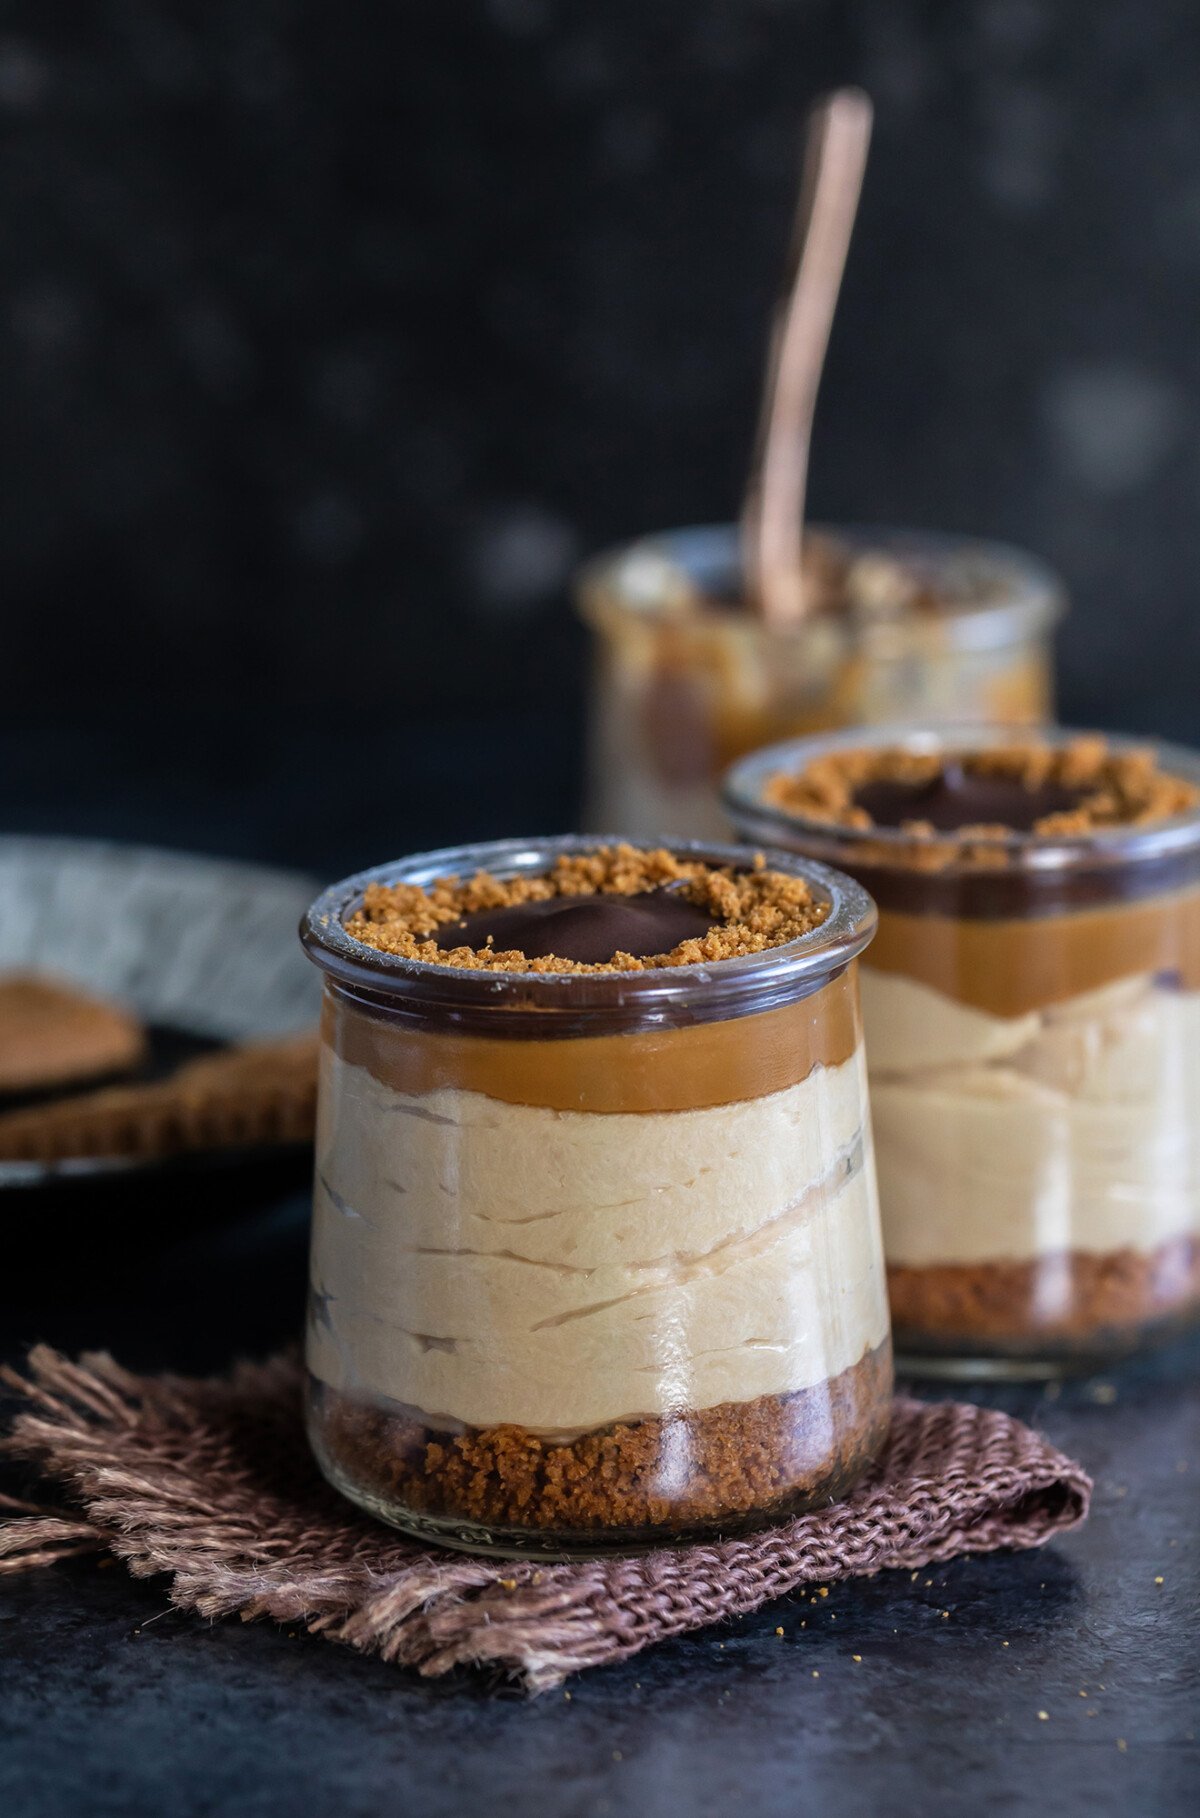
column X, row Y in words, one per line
column 562, row 1270
column 1072, row 1127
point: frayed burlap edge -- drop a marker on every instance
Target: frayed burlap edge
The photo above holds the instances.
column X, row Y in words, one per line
column 211, row 1482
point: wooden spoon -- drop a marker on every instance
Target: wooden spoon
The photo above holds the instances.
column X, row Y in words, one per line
column 838, row 134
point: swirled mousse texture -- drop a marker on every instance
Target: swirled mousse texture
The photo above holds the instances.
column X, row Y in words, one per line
column 1039, row 1162
column 490, row 1263
column 1072, row 1128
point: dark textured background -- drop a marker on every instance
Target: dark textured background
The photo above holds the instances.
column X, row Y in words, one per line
column 333, row 336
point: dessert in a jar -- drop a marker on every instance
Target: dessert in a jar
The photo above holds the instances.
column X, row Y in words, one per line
column 595, row 1257
column 898, row 626
column 1032, row 1010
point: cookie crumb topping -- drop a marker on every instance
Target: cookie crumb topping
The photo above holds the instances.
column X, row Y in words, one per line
column 753, row 909
column 1114, row 788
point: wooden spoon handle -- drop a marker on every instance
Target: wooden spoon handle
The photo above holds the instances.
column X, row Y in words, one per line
column 838, row 134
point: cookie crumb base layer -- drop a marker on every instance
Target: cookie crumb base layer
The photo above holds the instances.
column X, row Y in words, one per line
column 1060, row 1306
column 720, row 1470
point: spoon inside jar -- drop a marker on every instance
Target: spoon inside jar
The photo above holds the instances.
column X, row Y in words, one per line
column 837, row 138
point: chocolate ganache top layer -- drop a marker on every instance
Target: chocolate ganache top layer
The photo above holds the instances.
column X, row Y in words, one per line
column 587, row 929
column 954, row 798
column 967, row 832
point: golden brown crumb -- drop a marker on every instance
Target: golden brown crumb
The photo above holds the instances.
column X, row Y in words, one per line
column 1122, row 788
column 1122, row 1292
column 743, row 1459
column 756, row 909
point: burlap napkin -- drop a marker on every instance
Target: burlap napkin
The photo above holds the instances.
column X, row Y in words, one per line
column 212, row 1482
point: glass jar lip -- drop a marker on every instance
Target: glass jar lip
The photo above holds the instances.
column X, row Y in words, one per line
column 743, row 784
column 712, row 988
column 620, row 581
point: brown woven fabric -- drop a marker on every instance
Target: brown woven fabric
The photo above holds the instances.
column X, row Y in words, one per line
column 212, row 1482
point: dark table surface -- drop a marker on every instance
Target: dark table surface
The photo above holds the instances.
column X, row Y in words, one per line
column 114, row 1704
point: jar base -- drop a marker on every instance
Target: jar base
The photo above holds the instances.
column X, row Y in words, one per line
column 934, row 1367
column 987, row 1320
column 563, row 1548
column 960, row 1360
column 692, row 1478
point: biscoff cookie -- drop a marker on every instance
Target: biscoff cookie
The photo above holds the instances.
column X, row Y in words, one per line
column 54, row 1034
column 263, row 1093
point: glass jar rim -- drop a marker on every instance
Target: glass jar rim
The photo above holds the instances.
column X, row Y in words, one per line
column 608, row 583
column 743, row 784
column 708, row 991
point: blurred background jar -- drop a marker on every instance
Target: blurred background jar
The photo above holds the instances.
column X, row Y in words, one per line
column 902, row 625
column 1032, row 1014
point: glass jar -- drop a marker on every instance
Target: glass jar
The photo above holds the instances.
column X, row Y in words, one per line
column 1032, row 1012
column 595, row 1257
column 683, row 684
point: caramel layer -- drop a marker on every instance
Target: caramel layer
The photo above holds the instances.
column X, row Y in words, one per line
column 1007, row 968
column 681, row 1069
